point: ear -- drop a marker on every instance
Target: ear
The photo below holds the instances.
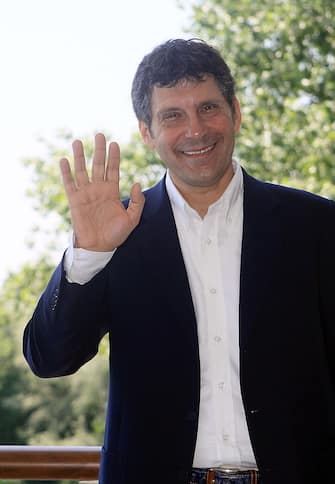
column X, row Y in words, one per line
column 145, row 133
column 237, row 116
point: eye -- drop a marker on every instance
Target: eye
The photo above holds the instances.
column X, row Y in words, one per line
column 209, row 108
column 170, row 116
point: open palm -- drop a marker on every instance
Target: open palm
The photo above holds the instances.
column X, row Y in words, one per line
column 100, row 221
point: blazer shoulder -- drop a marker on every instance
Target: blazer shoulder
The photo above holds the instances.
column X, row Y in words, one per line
column 286, row 195
column 155, row 196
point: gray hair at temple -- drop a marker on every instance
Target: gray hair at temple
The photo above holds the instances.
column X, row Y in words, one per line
column 176, row 60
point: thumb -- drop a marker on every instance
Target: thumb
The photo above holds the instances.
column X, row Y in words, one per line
column 136, row 204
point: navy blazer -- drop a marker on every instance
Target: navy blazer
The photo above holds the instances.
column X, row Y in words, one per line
column 142, row 297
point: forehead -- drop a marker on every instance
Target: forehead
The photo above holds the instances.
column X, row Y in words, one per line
column 185, row 93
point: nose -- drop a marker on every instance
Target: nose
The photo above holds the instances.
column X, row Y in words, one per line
column 195, row 126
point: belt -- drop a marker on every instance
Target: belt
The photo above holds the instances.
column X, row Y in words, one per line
column 225, row 475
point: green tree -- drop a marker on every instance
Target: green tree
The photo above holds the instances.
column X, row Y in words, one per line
column 17, row 296
column 281, row 53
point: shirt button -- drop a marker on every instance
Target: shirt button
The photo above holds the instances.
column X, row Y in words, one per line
column 225, row 437
column 217, row 339
column 213, row 290
column 209, row 241
column 221, row 385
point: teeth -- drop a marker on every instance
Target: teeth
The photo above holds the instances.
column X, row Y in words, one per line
column 199, row 152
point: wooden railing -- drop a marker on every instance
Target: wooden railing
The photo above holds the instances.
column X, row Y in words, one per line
column 49, row 463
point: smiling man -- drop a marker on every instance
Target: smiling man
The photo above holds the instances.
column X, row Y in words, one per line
column 216, row 290
column 193, row 130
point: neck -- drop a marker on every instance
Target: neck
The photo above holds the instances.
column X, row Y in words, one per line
column 200, row 198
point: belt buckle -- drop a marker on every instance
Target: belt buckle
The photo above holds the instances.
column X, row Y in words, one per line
column 230, row 470
column 225, row 472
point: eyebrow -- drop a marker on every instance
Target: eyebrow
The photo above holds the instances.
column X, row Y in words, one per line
column 169, row 108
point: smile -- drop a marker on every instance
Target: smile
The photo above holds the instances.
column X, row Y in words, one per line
column 202, row 151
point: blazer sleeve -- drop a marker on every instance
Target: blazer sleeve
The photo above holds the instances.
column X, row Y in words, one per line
column 67, row 325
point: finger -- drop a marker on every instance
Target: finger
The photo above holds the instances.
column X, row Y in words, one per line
column 67, row 177
column 80, row 171
column 99, row 158
column 113, row 167
column 136, row 204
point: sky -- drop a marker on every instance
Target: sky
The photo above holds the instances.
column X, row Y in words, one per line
column 67, row 64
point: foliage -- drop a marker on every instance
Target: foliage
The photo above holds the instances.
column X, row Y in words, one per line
column 139, row 164
column 281, row 53
column 17, row 297
column 65, row 410
column 46, row 188
column 68, row 410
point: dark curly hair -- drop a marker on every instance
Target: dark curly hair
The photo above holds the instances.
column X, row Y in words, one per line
column 175, row 60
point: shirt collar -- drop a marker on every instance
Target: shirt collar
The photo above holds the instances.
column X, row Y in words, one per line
column 225, row 203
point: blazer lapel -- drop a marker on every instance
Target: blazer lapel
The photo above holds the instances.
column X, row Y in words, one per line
column 162, row 252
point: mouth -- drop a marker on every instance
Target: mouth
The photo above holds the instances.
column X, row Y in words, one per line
column 201, row 151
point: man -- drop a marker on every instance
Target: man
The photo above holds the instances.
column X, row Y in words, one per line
column 216, row 289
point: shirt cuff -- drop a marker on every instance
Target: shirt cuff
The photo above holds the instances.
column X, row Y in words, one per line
column 82, row 265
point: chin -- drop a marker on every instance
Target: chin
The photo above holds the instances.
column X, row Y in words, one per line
column 202, row 181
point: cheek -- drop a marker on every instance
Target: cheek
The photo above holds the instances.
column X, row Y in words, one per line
column 165, row 142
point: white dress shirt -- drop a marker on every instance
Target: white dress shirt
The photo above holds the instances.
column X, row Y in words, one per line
column 211, row 248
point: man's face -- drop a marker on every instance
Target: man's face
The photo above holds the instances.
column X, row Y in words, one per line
column 193, row 131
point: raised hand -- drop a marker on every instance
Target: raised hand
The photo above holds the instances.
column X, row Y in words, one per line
column 100, row 221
